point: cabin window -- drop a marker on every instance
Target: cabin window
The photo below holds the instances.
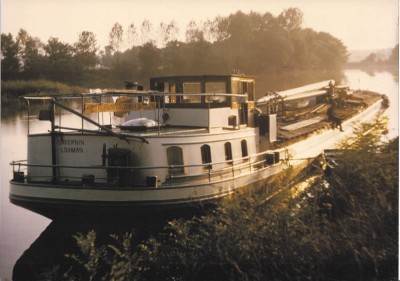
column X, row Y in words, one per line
column 172, row 89
column 191, row 88
column 228, row 151
column 235, row 87
column 166, row 89
column 239, row 88
column 232, row 120
column 206, row 154
column 243, row 87
column 244, row 148
column 175, row 158
column 218, row 87
column 160, row 86
column 250, row 91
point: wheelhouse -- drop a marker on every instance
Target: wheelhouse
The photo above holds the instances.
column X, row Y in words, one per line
column 191, row 86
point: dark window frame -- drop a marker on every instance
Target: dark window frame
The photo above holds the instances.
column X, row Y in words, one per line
column 228, row 152
column 206, row 155
column 243, row 145
column 175, row 158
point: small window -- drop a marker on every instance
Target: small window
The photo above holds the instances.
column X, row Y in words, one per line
column 228, row 151
column 175, row 158
column 244, row 148
column 206, row 154
column 232, row 120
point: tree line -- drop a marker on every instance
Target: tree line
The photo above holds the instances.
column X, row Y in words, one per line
column 252, row 43
column 373, row 60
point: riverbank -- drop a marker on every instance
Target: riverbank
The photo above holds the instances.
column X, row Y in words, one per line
column 11, row 90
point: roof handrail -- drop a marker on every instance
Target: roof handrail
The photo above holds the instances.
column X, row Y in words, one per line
column 120, row 136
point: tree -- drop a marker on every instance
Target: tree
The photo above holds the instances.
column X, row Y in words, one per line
column 58, row 58
column 240, row 27
column 290, row 19
column 210, row 30
column 168, row 32
column 330, row 51
column 220, row 29
column 116, row 37
column 273, row 50
column 85, row 51
column 149, row 58
column 31, row 53
column 370, row 59
column 145, row 31
column 193, row 33
column 131, row 35
column 9, row 54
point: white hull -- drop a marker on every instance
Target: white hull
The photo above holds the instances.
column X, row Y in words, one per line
column 51, row 200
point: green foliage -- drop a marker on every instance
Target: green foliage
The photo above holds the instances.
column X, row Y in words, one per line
column 9, row 54
column 11, row 90
column 91, row 256
column 18, row 88
column 367, row 137
column 85, row 51
column 126, row 262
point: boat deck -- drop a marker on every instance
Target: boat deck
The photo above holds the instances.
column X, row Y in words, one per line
column 303, row 131
column 314, row 118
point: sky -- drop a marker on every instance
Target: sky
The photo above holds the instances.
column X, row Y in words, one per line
column 359, row 24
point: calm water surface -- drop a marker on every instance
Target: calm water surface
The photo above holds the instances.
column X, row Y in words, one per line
column 20, row 228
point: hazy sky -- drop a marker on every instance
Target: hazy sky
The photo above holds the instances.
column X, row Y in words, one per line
column 360, row 24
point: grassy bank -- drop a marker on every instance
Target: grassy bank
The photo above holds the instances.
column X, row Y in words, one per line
column 11, row 90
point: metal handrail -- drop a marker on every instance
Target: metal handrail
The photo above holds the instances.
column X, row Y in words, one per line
column 234, row 162
column 229, row 167
column 125, row 92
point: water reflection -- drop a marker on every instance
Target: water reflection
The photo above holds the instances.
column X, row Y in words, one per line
column 20, row 227
column 374, row 70
column 49, row 251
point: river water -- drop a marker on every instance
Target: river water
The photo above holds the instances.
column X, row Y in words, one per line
column 20, row 228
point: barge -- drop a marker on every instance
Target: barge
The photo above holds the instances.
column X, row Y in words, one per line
column 187, row 142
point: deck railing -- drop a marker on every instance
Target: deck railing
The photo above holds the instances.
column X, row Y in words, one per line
column 210, row 171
